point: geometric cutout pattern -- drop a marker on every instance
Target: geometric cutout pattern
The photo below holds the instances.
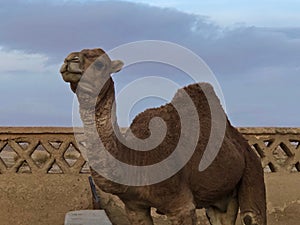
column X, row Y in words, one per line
column 55, row 169
column 24, row 168
column 297, row 167
column 55, row 144
column 8, row 155
column 40, row 156
column 278, row 148
column 41, row 152
column 71, row 155
column 23, row 144
column 57, row 152
column 280, row 155
column 267, row 169
column 85, row 168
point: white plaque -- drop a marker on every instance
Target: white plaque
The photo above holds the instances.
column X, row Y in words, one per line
column 87, row 217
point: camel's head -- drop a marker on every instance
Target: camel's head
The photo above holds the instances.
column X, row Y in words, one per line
column 77, row 63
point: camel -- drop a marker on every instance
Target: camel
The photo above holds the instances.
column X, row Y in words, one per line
column 234, row 180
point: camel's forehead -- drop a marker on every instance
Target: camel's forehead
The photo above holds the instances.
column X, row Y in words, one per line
column 86, row 53
column 92, row 53
column 72, row 55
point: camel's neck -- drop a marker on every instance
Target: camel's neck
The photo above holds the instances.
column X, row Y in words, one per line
column 106, row 119
column 101, row 129
column 98, row 114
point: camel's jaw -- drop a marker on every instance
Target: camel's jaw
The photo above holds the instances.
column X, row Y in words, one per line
column 71, row 69
column 71, row 77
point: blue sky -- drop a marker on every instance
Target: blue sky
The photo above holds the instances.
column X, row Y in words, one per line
column 253, row 47
column 267, row 13
column 230, row 12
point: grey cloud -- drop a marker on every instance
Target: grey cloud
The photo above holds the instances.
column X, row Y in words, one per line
column 57, row 29
column 236, row 54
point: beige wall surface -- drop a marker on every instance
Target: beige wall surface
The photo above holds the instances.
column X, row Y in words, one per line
column 43, row 175
column 28, row 199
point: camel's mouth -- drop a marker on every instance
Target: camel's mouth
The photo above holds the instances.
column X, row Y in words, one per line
column 71, row 69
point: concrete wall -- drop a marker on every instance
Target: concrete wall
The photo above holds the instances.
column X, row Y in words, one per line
column 43, row 175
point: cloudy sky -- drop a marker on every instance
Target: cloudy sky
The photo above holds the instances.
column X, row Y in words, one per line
column 253, row 48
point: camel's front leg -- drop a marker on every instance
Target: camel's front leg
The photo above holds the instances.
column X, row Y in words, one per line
column 217, row 216
column 185, row 214
column 138, row 215
column 181, row 210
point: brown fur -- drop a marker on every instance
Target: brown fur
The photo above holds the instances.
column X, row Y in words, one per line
column 236, row 172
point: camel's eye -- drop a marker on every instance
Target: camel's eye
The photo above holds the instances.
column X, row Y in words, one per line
column 75, row 59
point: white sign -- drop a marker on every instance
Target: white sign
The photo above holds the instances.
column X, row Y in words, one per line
column 87, row 217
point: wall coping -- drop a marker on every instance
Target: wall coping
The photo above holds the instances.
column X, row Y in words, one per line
column 37, row 130
column 269, row 130
column 68, row 130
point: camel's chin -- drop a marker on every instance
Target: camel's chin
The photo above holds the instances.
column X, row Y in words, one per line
column 71, row 77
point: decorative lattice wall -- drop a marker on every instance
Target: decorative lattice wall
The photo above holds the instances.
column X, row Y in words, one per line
column 278, row 147
column 40, row 151
column 55, row 151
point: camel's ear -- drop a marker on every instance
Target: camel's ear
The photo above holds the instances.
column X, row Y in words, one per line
column 116, row 66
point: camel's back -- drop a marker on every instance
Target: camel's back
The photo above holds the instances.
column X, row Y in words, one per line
column 173, row 114
column 227, row 168
column 230, row 158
